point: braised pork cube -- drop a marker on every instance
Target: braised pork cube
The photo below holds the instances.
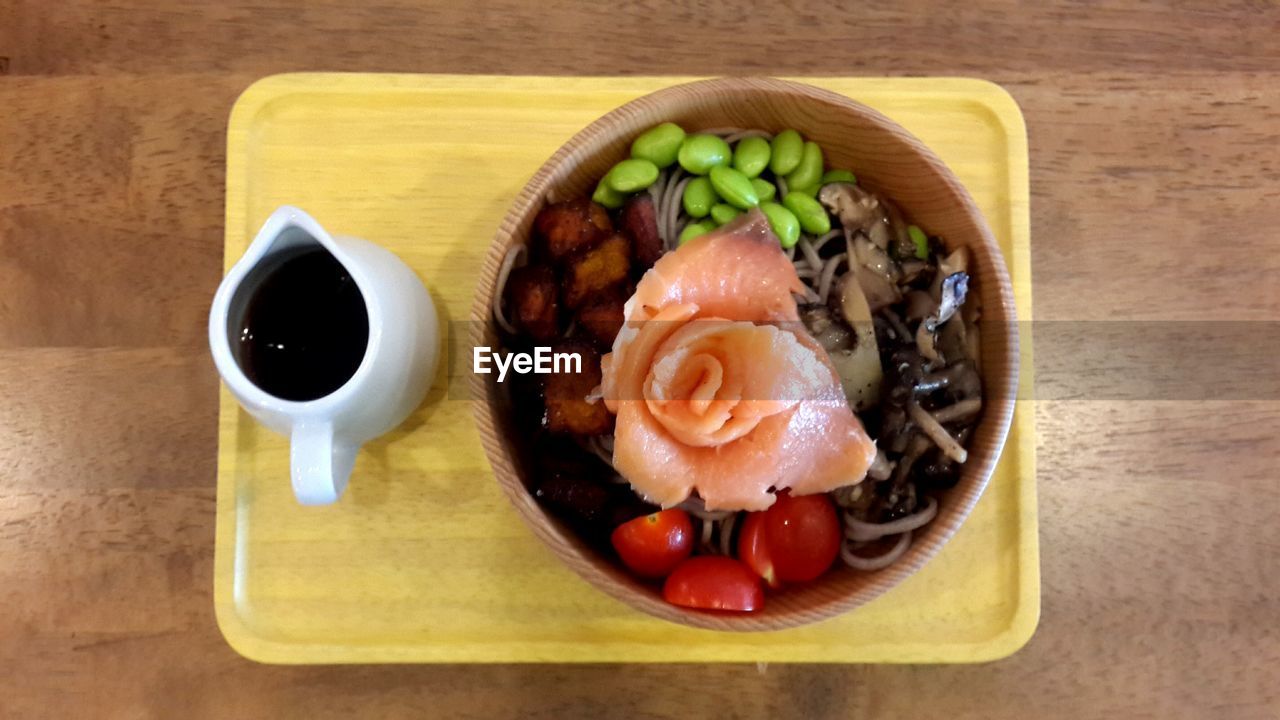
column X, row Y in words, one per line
column 602, row 318
column 532, row 296
column 566, row 228
column 639, row 222
column 589, row 274
column 569, row 408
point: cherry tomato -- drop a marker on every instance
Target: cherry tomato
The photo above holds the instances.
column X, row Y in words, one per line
column 753, row 551
column 651, row 546
column 714, row 582
column 795, row 540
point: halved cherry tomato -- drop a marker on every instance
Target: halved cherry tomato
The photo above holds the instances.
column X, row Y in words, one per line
column 714, row 582
column 654, row 544
column 753, row 550
column 795, row 540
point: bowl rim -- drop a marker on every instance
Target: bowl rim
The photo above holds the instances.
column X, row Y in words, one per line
column 612, row 580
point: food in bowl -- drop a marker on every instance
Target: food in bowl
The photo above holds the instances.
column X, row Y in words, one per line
column 779, row 369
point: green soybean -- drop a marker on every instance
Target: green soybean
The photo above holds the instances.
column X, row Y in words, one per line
column 786, row 150
column 784, row 223
column 632, row 175
column 764, row 189
column 921, row 241
column 659, row 145
column 608, row 197
column 723, row 213
column 699, row 153
column 812, row 216
column 734, row 187
column 698, row 197
column 751, row 156
column 811, row 191
column 809, row 171
column 840, row 176
column 693, row 230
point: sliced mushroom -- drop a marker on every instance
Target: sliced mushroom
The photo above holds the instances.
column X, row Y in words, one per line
column 831, row 334
column 854, row 306
column 956, row 262
column 897, row 330
column 915, row 448
column 903, row 246
column 893, row 428
column 880, row 292
column 972, row 310
column 936, row 471
column 877, row 273
column 873, row 257
column 938, row 434
column 961, row 411
column 920, row 305
column 950, row 293
column 961, row 380
column 974, row 341
column 906, row 370
column 951, row 342
column 926, row 342
column 879, row 235
column 966, row 382
column 913, row 270
column 860, row 370
column 856, row 208
column 953, row 291
column 860, row 376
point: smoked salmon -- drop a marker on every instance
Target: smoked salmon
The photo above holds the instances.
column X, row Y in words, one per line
column 716, row 386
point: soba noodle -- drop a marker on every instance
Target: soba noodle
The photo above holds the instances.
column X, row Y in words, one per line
column 880, row 562
column 829, row 274
column 504, row 273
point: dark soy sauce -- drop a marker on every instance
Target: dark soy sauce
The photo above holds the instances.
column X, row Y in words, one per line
column 305, row 328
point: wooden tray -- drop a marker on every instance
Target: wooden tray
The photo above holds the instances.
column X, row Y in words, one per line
column 423, row 560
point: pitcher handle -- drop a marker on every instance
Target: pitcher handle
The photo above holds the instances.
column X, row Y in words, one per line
column 320, row 463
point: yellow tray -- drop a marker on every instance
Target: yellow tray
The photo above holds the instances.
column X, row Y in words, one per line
column 423, row 560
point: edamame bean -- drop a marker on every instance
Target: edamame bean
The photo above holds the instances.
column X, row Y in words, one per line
column 632, row 175
column 784, row 223
column 809, row 171
column 751, row 156
column 699, row 153
column 723, row 213
column 734, row 187
column 698, row 197
column 693, row 230
column 659, row 145
column 787, row 148
column 920, row 240
column 764, row 189
column 841, row 176
column 811, row 191
column 812, row 216
column 608, row 197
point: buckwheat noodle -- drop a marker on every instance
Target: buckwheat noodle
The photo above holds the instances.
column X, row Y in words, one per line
column 500, row 291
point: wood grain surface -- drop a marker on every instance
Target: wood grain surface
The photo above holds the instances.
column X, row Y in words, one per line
column 1154, row 133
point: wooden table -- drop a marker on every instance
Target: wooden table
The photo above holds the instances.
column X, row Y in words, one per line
column 1155, row 141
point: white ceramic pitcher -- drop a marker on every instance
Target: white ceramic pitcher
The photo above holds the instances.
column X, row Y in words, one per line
column 391, row 381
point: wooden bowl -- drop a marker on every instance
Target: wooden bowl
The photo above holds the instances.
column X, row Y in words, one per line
column 885, row 157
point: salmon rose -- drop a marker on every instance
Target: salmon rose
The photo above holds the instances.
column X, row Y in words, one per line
column 716, row 386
